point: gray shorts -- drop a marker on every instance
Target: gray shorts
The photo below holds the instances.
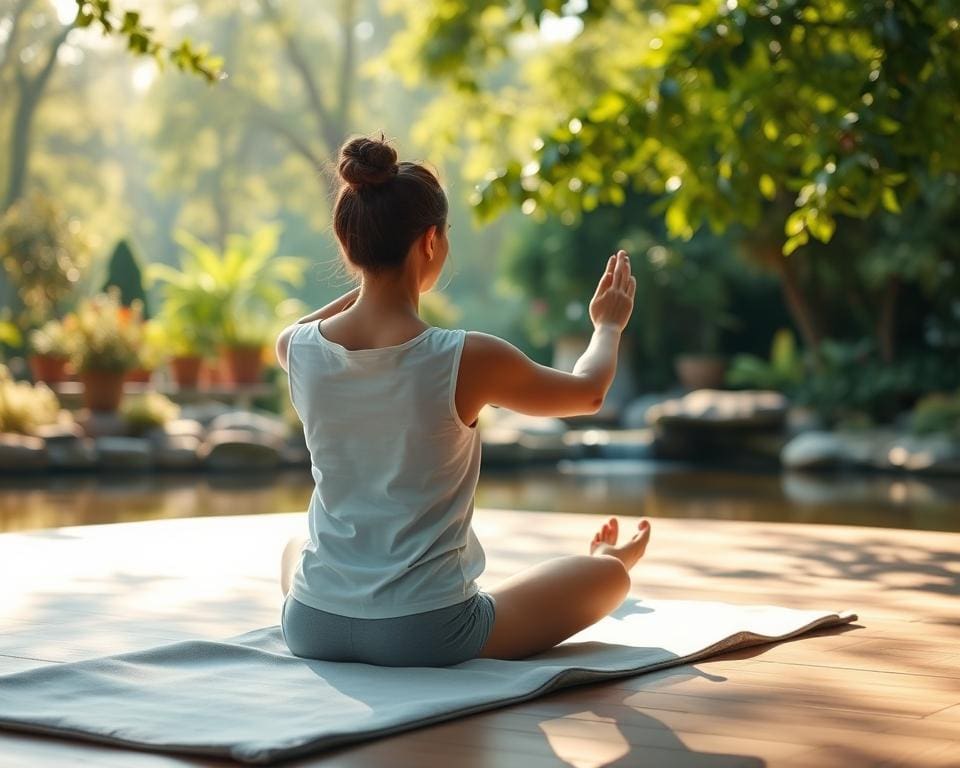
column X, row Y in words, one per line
column 436, row 638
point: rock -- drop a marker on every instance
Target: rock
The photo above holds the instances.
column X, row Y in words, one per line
column 72, row 452
column 931, row 455
column 628, row 444
column 510, row 437
column 714, row 407
column 240, row 449
column 295, row 454
column 22, row 452
column 635, row 414
column 102, row 423
column 204, row 412
column 59, row 431
column 177, row 452
column 719, row 426
column 177, row 428
column 813, row 450
column 600, row 443
column 273, row 426
column 124, row 452
column 867, row 448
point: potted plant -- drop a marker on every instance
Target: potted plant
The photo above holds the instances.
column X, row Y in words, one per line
column 226, row 295
column 106, row 336
column 50, row 352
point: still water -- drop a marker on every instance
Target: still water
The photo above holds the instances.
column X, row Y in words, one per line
column 603, row 487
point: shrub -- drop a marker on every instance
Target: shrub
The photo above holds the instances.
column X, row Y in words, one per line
column 147, row 410
column 24, row 406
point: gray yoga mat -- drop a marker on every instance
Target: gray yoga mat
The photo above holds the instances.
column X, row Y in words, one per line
column 249, row 699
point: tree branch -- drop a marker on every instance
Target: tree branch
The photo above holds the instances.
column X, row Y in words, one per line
column 298, row 61
column 347, row 9
column 269, row 117
column 11, row 43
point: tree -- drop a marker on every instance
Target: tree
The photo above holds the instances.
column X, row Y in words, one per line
column 781, row 115
column 125, row 272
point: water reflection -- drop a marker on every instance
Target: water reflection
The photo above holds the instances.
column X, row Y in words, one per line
column 604, row 487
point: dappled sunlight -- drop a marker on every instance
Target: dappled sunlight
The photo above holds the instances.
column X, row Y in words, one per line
column 585, row 743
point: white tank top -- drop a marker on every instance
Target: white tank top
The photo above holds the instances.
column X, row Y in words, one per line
column 395, row 470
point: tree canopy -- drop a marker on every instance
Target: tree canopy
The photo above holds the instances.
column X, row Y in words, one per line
column 731, row 110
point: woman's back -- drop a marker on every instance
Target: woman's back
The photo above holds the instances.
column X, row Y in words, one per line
column 395, row 470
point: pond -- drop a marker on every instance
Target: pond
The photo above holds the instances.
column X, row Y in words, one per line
column 606, row 487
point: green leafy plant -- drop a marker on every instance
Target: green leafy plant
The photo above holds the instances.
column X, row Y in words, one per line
column 142, row 41
column 937, row 413
column 230, row 298
column 782, row 372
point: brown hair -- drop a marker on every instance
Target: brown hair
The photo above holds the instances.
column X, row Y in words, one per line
column 383, row 205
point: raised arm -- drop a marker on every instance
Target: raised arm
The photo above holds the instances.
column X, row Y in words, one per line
column 495, row 372
column 329, row 310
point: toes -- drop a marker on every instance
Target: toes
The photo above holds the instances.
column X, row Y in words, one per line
column 614, row 529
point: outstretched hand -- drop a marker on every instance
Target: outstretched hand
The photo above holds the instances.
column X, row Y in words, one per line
column 612, row 303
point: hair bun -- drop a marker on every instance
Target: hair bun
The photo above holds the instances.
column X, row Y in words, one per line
column 367, row 162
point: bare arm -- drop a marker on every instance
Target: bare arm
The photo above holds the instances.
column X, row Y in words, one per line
column 500, row 374
column 334, row 307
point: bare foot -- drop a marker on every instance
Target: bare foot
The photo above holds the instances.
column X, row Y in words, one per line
column 605, row 542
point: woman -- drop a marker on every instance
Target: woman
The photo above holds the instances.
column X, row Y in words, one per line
column 389, row 407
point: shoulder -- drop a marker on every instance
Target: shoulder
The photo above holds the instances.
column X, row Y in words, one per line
column 284, row 342
column 486, row 347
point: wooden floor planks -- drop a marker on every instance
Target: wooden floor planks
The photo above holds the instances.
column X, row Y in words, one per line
column 883, row 692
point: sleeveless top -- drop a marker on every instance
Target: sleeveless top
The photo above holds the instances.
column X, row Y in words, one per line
column 395, row 471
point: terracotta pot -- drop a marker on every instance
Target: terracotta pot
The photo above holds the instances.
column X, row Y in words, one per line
column 102, row 390
column 211, row 372
column 50, row 369
column 186, row 370
column 701, row 371
column 242, row 364
column 139, row 375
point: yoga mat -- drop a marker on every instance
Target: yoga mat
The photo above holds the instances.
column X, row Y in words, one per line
column 247, row 698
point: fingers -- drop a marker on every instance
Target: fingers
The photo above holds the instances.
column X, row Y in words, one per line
column 621, row 271
column 632, row 287
column 607, row 278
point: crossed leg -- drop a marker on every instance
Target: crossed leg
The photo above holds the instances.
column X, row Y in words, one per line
column 544, row 605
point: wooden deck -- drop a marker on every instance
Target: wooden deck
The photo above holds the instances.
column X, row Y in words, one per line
column 885, row 691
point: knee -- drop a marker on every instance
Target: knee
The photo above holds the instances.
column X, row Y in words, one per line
column 614, row 577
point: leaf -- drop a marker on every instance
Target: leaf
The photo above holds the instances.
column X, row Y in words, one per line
column 768, row 187
column 795, row 223
column 795, row 242
column 889, row 199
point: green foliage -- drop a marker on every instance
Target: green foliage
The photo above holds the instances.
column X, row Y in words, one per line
column 683, row 288
column 437, row 309
column 44, row 255
column 237, row 297
column 829, row 107
column 141, row 40
column 25, row 406
column 144, row 411
column 937, row 413
column 125, row 272
column 784, row 371
column 854, row 383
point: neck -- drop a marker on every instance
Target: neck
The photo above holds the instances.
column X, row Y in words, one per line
column 396, row 294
